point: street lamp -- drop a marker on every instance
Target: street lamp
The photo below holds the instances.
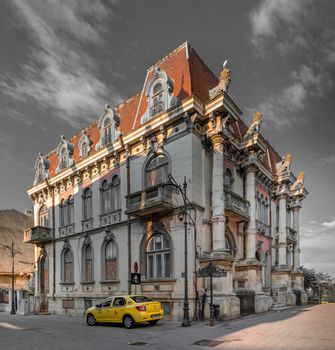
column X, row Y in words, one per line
column 12, row 310
column 182, row 190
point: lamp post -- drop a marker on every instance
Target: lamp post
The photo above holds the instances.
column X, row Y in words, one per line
column 12, row 310
column 182, row 190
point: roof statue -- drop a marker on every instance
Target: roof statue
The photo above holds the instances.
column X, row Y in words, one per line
column 285, row 166
column 298, row 186
column 224, row 81
column 255, row 125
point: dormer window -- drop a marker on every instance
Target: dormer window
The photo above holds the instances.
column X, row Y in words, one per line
column 109, row 127
column 64, row 152
column 157, row 99
column 84, row 145
column 159, row 92
column 41, row 169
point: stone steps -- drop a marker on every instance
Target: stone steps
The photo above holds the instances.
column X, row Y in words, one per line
column 278, row 307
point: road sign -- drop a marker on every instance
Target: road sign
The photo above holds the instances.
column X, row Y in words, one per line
column 136, row 267
column 135, row 278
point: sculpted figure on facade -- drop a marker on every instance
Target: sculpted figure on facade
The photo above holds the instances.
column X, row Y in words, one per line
column 298, row 186
column 285, row 166
column 255, row 125
column 224, row 81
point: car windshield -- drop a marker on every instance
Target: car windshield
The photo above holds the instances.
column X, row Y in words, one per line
column 140, row 298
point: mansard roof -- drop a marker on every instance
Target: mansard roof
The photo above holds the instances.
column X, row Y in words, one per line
column 191, row 77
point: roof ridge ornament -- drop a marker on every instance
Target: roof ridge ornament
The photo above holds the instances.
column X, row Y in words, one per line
column 224, row 81
column 255, row 125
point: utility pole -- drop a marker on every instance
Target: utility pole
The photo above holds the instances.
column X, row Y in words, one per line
column 12, row 311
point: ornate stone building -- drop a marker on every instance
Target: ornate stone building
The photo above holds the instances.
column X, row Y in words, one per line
column 100, row 203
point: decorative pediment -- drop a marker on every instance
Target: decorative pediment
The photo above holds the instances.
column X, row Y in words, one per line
column 42, row 165
column 159, row 94
column 108, row 125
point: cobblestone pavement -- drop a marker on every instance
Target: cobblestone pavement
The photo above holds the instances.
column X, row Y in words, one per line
column 306, row 327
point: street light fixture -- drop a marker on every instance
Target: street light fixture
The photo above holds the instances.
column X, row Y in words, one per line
column 182, row 190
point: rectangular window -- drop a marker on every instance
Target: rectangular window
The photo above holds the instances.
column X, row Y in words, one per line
column 150, row 266
column 111, row 269
column 159, row 267
column 167, row 264
column 88, row 270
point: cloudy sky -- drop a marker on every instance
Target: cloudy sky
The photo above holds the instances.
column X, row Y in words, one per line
column 61, row 61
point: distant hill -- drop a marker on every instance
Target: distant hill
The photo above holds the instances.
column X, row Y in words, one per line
column 12, row 225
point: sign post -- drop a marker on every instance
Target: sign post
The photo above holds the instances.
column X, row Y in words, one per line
column 211, row 271
column 135, row 277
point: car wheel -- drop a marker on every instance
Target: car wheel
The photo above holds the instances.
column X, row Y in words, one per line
column 153, row 321
column 128, row 322
column 90, row 319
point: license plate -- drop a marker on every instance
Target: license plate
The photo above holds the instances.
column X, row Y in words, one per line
column 155, row 316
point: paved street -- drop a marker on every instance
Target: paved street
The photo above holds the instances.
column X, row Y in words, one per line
column 307, row 327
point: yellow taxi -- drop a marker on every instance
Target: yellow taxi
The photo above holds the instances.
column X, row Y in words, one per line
column 127, row 309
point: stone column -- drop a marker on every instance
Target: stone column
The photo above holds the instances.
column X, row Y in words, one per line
column 289, row 256
column 296, row 253
column 250, row 196
column 282, row 231
column 218, row 217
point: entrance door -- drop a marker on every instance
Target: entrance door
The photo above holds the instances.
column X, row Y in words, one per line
column 44, row 282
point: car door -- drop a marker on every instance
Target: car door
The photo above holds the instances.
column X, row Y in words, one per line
column 104, row 312
column 118, row 309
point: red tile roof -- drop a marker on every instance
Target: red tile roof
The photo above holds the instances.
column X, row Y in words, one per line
column 190, row 76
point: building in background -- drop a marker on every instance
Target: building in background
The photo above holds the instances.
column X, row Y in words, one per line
column 12, row 223
column 100, row 203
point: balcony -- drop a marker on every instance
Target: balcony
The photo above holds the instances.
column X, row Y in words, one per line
column 263, row 228
column 37, row 235
column 156, row 199
column 66, row 230
column 87, row 224
column 291, row 235
column 236, row 205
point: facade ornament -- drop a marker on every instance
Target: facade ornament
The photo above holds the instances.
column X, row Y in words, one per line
column 298, row 187
column 65, row 153
column 157, row 227
column 85, row 144
column 67, row 244
column 224, row 81
column 87, row 240
column 109, row 235
column 284, row 167
column 255, row 125
column 42, row 165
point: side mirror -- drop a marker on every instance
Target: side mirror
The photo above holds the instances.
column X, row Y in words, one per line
column 98, row 305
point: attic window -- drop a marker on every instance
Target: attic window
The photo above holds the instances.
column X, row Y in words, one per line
column 157, row 99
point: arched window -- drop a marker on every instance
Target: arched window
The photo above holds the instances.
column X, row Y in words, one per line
column 228, row 179
column 62, row 213
column 107, row 131
column 88, row 263
column 110, row 256
column 159, row 257
column 44, row 216
column 67, row 266
column 156, row 171
column 157, row 99
column 105, row 197
column 115, row 193
column 87, row 204
column 70, row 210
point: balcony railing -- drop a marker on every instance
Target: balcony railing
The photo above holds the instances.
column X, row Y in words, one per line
column 110, row 218
column 236, row 204
column 87, row 224
column 263, row 228
column 66, row 230
column 149, row 201
column 37, row 235
column 291, row 234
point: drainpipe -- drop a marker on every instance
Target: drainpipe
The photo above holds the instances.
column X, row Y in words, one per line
column 52, row 189
column 129, row 227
